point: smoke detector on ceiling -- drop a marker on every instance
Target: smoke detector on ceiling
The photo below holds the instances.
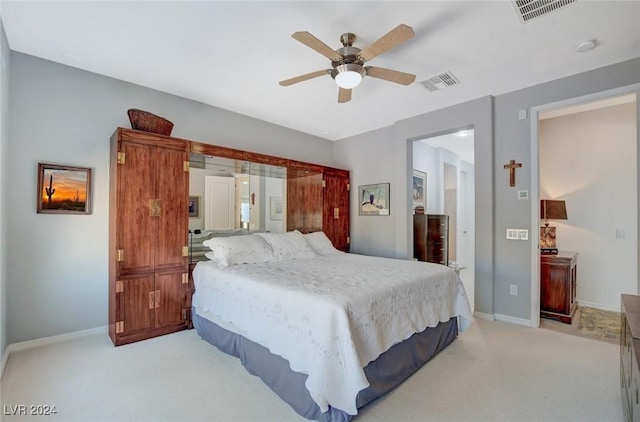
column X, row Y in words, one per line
column 440, row 81
column 586, row 46
column 528, row 10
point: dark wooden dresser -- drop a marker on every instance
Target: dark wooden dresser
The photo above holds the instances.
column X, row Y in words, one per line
column 431, row 238
column 629, row 348
column 558, row 280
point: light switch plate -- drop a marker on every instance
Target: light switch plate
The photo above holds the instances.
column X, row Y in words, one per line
column 522, row 114
column 517, row 234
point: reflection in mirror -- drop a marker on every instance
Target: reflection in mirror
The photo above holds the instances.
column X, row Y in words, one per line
column 235, row 197
column 237, row 194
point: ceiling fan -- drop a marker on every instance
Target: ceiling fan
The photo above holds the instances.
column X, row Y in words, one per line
column 348, row 62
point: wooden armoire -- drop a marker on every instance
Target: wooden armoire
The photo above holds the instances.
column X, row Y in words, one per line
column 431, row 238
column 149, row 291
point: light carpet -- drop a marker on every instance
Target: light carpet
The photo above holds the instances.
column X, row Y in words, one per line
column 492, row 372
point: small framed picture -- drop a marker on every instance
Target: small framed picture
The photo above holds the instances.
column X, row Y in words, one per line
column 194, row 207
column 374, row 199
column 419, row 189
column 63, row 189
column 276, row 207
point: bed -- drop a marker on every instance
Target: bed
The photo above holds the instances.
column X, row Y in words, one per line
column 197, row 250
column 327, row 331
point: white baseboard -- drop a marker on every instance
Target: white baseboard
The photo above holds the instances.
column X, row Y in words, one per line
column 482, row 315
column 513, row 320
column 5, row 358
column 599, row 306
column 45, row 341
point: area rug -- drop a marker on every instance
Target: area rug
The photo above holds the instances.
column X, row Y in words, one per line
column 599, row 324
column 589, row 322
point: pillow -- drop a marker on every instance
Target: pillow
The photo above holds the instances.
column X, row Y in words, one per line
column 290, row 245
column 211, row 256
column 245, row 249
column 320, row 243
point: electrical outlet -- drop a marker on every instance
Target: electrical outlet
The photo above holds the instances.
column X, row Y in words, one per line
column 513, row 289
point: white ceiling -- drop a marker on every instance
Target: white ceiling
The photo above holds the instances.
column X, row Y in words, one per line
column 232, row 54
column 463, row 146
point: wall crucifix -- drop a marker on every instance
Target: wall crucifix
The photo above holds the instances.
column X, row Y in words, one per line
column 512, row 166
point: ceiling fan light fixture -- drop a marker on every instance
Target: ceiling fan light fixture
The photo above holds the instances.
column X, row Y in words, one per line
column 348, row 75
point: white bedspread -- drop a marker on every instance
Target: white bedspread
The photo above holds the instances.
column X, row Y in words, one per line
column 331, row 315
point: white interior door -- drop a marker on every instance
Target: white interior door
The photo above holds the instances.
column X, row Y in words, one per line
column 220, row 205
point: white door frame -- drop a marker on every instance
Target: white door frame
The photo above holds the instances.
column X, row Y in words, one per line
column 535, row 178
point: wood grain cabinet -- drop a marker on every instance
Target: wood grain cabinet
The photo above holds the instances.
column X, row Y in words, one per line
column 149, row 291
column 335, row 202
column 558, row 282
column 629, row 354
column 431, row 238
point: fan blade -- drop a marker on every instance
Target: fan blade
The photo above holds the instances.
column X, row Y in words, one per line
column 396, row 36
column 312, row 42
column 390, row 75
column 344, row 95
column 305, row 77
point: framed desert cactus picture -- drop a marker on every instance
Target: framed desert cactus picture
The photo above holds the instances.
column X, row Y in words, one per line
column 64, row 189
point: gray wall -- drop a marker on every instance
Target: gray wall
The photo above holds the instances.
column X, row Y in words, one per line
column 512, row 140
column 383, row 155
column 600, row 146
column 4, row 139
column 57, row 264
column 369, row 156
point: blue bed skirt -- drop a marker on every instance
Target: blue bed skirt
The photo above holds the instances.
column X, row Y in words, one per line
column 386, row 372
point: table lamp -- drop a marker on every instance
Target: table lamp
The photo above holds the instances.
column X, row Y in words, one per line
column 550, row 210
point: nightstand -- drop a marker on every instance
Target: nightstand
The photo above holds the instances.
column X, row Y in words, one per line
column 558, row 278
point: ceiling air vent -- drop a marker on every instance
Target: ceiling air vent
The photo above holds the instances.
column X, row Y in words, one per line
column 531, row 9
column 439, row 82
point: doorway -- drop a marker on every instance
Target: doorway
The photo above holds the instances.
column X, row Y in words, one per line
column 448, row 163
column 586, row 151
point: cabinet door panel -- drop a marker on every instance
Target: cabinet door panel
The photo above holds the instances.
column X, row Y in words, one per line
column 134, row 304
column 420, row 237
column 335, row 224
column 136, row 229
column 172, row 299
column 305, row 191
column 553, row 291
column 172, row 190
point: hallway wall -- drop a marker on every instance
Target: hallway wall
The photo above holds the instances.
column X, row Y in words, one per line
column 589, row 160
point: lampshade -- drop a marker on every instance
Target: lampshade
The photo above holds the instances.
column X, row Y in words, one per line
column 553, row 210
column 348, row 75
